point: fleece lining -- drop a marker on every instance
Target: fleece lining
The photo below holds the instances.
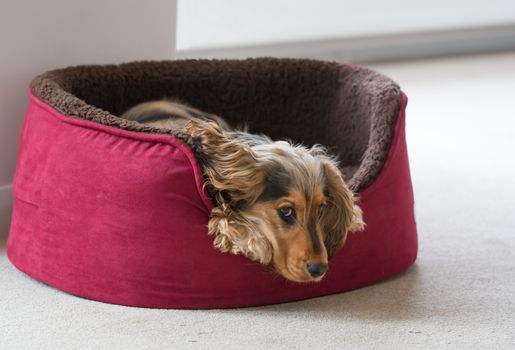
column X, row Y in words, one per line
column 349, row 109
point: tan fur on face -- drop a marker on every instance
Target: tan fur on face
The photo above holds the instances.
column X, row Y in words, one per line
column 291, row 244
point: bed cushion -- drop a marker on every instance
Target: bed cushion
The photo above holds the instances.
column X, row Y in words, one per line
column 113, row 210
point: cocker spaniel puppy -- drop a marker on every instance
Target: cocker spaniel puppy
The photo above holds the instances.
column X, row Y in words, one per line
column 281, row 204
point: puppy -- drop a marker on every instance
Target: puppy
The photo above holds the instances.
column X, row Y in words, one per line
column 281, row 204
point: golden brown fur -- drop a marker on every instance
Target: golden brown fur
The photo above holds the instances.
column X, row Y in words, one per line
column 281, row 204
column 169, row 114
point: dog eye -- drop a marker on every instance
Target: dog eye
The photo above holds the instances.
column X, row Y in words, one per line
column 287, row 211
column 287, row 214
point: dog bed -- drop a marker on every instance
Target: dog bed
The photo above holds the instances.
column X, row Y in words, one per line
column 115, row 211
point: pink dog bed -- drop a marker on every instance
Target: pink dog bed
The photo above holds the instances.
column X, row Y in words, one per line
column 113, row 210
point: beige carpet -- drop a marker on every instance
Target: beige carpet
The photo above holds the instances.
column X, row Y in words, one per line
column 460, row 294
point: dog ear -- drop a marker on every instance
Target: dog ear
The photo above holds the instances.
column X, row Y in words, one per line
column 341, row 215
column 230, row 168
column 234, row 178
column 237, row 234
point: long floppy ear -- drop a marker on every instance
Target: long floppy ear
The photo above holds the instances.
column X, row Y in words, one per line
column 230, row 167
column 341, row 215
column 234, row 178
column 237, row 233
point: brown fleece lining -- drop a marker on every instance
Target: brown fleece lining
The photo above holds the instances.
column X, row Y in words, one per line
column 351, row 110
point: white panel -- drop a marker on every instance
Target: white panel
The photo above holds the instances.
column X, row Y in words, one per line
column 219, row 23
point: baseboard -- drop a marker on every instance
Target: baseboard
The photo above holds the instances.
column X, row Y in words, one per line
column 6, row 204
column 379, row 47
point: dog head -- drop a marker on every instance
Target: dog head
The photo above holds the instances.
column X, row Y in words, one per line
column 282, row 205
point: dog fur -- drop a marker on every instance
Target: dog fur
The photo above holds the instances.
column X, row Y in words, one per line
column 278, row 203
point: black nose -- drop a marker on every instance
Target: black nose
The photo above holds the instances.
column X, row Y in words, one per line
column 316, row 270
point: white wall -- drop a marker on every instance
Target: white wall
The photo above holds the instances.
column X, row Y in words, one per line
column 36, row 36
column 228, row 23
